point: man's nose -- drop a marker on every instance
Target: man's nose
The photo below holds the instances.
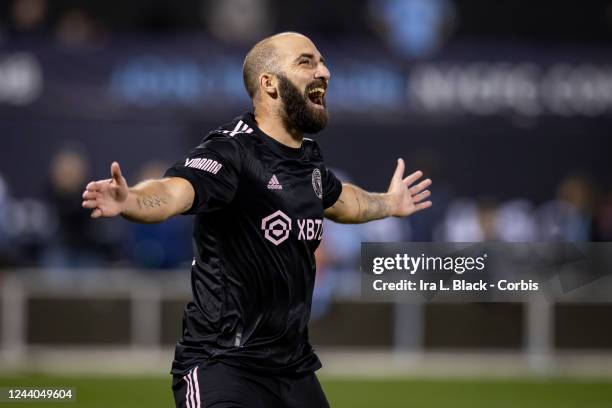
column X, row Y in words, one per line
column 322, row 73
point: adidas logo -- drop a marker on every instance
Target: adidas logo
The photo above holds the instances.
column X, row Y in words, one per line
column 273, row 184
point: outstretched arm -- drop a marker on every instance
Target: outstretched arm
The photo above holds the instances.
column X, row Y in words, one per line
column 402, row 199
column 148, row 202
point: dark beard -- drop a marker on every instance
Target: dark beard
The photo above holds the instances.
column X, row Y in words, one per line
column 297, row 115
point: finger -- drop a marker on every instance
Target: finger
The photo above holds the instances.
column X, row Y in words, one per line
column 423, row 205
column 421, row 196
column 90, row 204
column 399, row 170
column 420, row 187
column 90, row 195
column 97, row 185
column 96, row 213
column 413, row 177
column 116, row 172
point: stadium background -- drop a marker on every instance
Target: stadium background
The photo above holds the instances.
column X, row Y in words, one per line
column 508, row 108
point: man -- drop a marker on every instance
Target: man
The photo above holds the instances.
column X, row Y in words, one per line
column 259, row 191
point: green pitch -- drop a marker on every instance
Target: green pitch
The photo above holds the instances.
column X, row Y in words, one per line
column 132, row 392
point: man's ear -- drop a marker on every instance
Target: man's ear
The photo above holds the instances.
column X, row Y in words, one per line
column 268, row 84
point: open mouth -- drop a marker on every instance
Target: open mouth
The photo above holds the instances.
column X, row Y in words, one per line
column 317, row 96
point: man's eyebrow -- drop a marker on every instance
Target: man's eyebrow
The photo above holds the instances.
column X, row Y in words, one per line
column 305, row 55
column 308, row 55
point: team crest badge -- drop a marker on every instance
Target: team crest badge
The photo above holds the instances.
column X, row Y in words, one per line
column 316, row 183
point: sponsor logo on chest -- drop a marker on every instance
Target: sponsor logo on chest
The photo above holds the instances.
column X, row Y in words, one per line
column 278, row 225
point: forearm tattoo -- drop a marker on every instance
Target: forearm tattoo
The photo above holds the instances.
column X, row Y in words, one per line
column 374, row 206
column 369, row 206
column 150, row 201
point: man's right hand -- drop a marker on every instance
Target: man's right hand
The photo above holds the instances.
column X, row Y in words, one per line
column 107, row 198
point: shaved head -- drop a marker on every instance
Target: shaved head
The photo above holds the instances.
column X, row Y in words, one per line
column 264, row 57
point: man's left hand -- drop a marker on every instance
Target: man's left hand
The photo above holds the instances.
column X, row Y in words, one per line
column 404, row 195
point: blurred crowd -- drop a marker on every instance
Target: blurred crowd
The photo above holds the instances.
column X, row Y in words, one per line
column 55, row 232
column 414, row 28
column 32, row 20
column 90, row 24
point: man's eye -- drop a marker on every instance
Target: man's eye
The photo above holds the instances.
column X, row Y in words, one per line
column 304, row 61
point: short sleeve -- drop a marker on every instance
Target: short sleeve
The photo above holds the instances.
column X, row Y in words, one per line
column 332, row 187
column 213, row 169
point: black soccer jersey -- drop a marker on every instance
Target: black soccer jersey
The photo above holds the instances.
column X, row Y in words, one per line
column 258, row 219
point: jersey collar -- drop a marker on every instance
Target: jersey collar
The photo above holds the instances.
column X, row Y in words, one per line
column 275, row 145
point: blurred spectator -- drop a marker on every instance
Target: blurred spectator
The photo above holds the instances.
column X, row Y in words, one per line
column 515, row 222
column 242, row 21
column 467, row 220
column 28, row 18
column 4, row 223
column 487, row 211
column 603, row 225
column 569, row 217
column 461, row 223
column 77, row 242
column 160, row 246
column 25, row 227
column 414, row 28
column 77, row 28
column 31, row 225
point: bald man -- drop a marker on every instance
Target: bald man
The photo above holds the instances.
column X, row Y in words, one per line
column 259, row 191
